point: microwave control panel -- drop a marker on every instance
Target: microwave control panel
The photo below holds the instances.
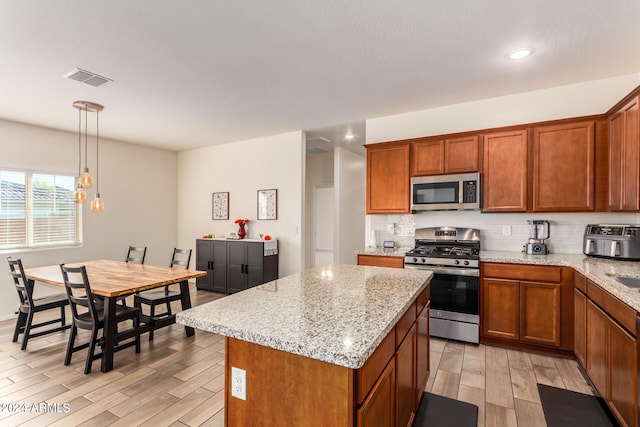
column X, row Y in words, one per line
column 469, row 191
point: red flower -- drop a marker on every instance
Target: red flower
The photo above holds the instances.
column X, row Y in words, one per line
column 238, row 221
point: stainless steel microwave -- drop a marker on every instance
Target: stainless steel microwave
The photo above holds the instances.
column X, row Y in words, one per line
column 446, row 192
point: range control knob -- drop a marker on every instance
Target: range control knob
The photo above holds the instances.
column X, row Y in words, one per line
column 423, row 260
column 456, row 262
column 466, row 262
column 415, row 260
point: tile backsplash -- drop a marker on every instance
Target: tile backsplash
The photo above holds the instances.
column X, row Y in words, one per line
column 565, row 230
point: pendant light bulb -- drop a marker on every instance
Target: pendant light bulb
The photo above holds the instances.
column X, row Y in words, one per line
column 79, row 195
column 97, row 204
column 86, row 179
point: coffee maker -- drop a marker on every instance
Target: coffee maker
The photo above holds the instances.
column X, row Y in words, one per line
column 538, row 233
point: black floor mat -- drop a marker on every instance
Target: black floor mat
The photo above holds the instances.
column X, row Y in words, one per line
column 436, row 411
column 566, row 408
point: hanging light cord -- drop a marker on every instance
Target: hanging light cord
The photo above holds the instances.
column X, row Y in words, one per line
column 86, row 165
column 79, row 144
column 97, row 146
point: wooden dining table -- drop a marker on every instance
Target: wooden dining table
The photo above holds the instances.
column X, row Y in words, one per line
column 113, row 279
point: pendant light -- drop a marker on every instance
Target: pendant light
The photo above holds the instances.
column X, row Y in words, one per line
column 97, row 204
column 79, row 195
column 86, row 180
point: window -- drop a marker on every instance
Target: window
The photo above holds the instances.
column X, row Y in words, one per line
column 38, row 210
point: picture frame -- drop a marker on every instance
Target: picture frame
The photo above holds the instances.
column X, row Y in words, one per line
column 268, row 204
column 220, row 205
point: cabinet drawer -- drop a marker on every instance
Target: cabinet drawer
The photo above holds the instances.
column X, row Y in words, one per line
column 423, row 299
column 618, row 310
column 405, row 323
column 381, row 261
column 580, row 282
column 522, row 272
column 369, row 373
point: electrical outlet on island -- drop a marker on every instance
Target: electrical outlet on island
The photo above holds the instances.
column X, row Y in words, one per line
column 238, row 383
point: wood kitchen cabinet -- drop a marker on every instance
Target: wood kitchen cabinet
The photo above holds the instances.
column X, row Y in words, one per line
column 564, row 167
column 610, row 350
column 381, row 260
column 211, row 256
column 234, row 266
column 524, row 304
column 379, row 409
column 445, row 156
column 406, row 378
column 504, row 171
column 624, row 157
column 388, row 182
column 422, row 350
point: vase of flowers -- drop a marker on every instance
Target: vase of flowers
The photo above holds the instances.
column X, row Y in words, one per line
column 242, row 233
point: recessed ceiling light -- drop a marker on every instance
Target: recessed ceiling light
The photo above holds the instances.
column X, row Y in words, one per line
column 349, row 136
column 521, row 53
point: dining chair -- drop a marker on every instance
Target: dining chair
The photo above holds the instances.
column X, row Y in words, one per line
column 136, row 254
column 179, row 259
column 88, row 314
column 29, row 306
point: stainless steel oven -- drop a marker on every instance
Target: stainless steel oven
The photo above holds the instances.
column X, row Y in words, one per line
column 453, row 256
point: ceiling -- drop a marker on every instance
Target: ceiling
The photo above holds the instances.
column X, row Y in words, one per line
column 198, row 73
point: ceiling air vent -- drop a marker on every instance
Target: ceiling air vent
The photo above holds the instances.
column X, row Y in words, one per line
column 318, row 140
column 92, row 79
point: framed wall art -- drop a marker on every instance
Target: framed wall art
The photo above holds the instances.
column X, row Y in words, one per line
column 220, row 205
column 268, row 204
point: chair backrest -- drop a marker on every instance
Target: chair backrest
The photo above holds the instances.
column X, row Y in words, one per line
column 136, row 254
column 23, row 285
column 76, row 283
column 180, row 258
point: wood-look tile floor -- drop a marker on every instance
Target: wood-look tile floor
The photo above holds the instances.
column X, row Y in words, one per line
column 179, row 381
column 501, row 382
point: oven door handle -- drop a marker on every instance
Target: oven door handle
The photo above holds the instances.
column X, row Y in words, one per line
column 445, row 270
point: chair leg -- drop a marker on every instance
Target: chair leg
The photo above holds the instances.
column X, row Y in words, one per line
column 20, row 322
column 92, row 349
column 63, row 316
column 169, row 308
column 136, row 324
column 27, row 330
column 152, row 312
column 72, row 339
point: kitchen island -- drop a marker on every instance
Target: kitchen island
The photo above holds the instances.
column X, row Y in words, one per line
column 337, row 345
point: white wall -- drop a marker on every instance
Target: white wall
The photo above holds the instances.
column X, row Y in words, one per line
column 242, row 168
column 137, row 183
column 349, row 181
column 318, row 173
column 581, row 99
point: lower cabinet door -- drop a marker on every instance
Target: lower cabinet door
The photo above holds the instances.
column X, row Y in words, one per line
column 597, row 345
column 580, row 326
column 501, row 308
column 406, row 378
column 422, row 354
column 540, row 313
column 379, row 408
column 623, row 356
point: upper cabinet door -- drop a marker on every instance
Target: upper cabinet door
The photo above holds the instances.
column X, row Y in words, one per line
column 631, row 157
column 445, row 156
column 461, row 154
column 388, row 182
column 504, row 178
column 427, row 158
column 563, row 167
column 616, row 142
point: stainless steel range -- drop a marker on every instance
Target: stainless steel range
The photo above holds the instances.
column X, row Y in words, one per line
column 453, row 254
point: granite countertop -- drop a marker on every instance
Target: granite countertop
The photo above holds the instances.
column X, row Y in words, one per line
column 601, row 271
column 334, row 313
column 380, row 251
